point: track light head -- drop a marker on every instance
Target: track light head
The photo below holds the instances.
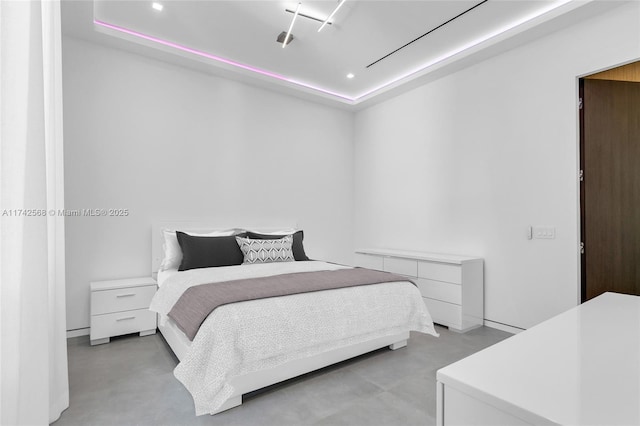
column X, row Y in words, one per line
column 282, row 36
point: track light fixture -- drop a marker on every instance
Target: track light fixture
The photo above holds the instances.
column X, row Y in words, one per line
column 326, row 21
column 282, row 36
column 295, row 15
column 307, row 16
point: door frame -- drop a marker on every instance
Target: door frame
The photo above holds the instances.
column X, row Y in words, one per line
column 579, row 91
column 582, row 237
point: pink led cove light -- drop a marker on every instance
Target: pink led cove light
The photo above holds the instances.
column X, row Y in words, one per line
column 351, row 99
column 218, row 58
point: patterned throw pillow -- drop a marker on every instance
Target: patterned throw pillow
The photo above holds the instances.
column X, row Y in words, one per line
column 264, row 251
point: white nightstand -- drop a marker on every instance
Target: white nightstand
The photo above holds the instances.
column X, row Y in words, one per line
column 122, row 307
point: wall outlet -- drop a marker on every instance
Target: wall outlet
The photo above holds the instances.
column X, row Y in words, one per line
column 544, row 233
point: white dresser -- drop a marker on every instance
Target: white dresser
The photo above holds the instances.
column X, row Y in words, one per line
column 122, row 307
column 452, row 286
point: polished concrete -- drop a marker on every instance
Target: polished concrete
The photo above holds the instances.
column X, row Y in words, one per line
column 130, row 382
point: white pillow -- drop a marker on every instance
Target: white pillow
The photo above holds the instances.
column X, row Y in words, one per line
column 172, row 250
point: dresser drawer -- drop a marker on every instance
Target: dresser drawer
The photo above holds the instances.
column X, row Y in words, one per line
column 121, row 299
column 369, row 261
column 440, row 272
column 446, row 292
column 444, row 313
column 119, row 323
column 401, row 266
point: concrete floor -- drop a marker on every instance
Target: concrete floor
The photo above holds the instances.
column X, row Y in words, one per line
column 130, row 382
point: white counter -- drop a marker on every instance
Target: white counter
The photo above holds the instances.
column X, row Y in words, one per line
column 581, row 367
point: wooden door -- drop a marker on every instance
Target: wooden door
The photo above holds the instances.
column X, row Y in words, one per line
column 610, row 205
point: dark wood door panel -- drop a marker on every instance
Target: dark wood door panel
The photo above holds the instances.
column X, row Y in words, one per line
column 611, row 161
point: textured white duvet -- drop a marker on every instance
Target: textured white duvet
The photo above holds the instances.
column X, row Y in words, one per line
column 245, row 337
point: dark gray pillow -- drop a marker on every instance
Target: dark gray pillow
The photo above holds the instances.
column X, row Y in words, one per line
column 298, row 248
column 207, row 252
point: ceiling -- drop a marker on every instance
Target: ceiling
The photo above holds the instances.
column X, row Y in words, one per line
column 237, row 39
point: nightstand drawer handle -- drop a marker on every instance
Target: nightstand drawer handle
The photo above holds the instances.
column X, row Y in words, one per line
column 125, row 295
column 125, row 318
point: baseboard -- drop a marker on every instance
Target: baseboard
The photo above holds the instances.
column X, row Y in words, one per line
column 78, row 332
column 503, row 327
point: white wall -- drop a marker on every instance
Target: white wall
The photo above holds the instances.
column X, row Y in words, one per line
column 464, row 164
column 169, row 143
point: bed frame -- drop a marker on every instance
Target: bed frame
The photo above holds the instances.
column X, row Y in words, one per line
column 260, row 379
column 250, row 382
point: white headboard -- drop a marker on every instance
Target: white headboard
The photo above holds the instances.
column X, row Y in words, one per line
column 195, row 226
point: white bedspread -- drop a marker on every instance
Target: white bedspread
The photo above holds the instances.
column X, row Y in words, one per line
column 245, row 337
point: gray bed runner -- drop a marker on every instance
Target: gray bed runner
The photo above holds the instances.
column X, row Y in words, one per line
column 197, row 302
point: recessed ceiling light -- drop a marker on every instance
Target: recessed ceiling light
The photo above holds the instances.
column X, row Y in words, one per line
column 350, row 75
column 157, row 6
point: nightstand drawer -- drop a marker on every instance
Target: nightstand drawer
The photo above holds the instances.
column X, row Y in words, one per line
column 440, row 272
column 444, row 313
column 439, row 290
column 121, row 299
column 396, row 265
column 119, row 323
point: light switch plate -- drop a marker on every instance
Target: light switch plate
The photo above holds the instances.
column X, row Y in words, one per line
column 544, row 233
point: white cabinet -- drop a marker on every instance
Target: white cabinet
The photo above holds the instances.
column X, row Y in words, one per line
column 452, row 286
column 370, row 262
column 121, row 307
column 398, row 265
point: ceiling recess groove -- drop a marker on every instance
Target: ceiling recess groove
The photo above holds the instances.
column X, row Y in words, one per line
column 427, row 33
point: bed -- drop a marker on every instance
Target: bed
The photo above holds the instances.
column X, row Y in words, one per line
column 244, row 346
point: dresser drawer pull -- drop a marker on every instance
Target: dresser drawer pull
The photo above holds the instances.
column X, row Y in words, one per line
column 125, row 295
column 125, row 318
